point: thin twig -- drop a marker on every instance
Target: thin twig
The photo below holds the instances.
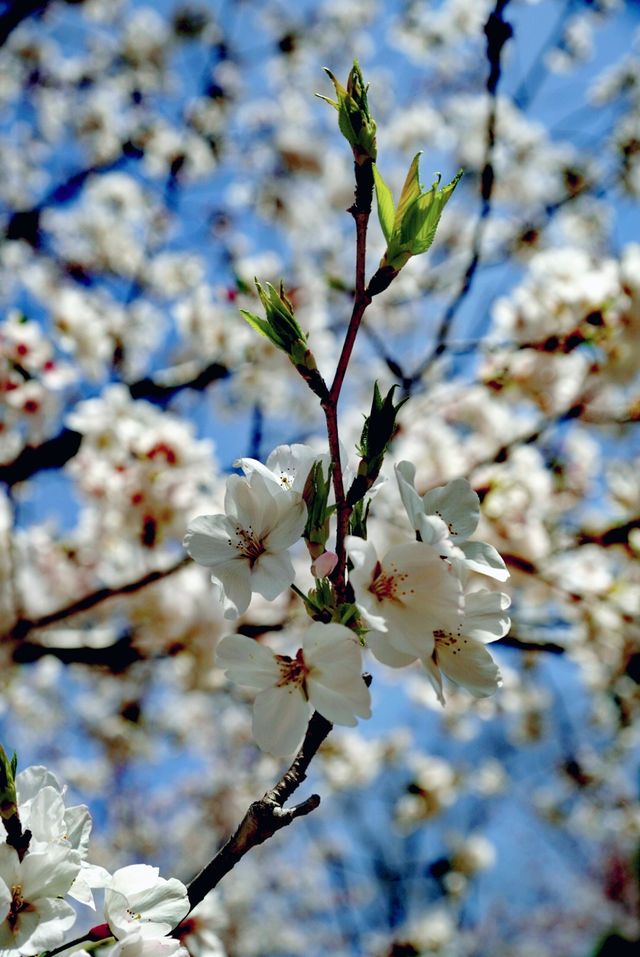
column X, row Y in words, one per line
column 498, row 32
column 26, row 625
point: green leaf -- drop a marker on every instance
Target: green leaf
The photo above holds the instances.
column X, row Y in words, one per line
column 424, row 217
column 410, row 191
column 386, row 208
column 260, row 325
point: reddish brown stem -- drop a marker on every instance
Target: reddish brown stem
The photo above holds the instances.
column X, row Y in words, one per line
column 330, row 405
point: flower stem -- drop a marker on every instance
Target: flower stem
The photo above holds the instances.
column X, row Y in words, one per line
column 360, row 211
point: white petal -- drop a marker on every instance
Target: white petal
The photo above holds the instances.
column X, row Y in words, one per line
column 370, row 611
column 280, row 718
column 385, row 652
column 249, row 466
column 77, row 822
column 272, row 574
column 290, row 524
column 469, row 664
column 53, row 918
column 433, row 531
column 30, row 781
column 484, row 558
column 364, row 558
column 435, row 677
column 332, row 644
column 9, row 865
column 45, row 817
column 6, row 899
column 235, row 580
column 341, row 706
column 247, row 662
column 81, row 892
column 485, row 618
column 405, row 477
column 243, row 504
column 335, row 684
column 49, row 873
column 209, row 540
column 457, row 504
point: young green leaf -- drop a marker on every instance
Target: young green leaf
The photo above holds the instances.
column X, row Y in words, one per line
column 386, row 207
column 410, row 191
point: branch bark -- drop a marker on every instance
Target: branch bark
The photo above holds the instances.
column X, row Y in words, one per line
column 264, row 817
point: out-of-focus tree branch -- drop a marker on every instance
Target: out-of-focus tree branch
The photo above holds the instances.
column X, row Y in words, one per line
column 26, row 625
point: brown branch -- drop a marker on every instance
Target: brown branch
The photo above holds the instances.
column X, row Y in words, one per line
column 522, row 644
column 264, row 817
column 26, row 625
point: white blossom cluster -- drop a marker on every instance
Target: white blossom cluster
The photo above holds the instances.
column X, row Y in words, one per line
column 419, row 602
column 140, row 907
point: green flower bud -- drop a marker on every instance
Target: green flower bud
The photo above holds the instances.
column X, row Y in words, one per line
column 354, row 119
column 8, row 798
column 280, row 327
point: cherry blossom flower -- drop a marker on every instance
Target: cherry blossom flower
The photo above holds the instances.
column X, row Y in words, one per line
column 446, row 517
column 407, row 597
column 325, row 674
column 247, row 546
column 458, row 650
column 138, row 901
column 33, row 918
column 461, row 655
column 288, row 466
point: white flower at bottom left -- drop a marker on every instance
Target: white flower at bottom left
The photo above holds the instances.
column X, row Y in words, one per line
column 33, row 918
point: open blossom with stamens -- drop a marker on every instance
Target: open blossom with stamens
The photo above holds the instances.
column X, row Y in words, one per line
column 461, row 654
column 325, row 674
column 458, row 649
column 138, row 901
column 246, row 548
column 288, row 466
column 446, row 517
column 407, row 596
column 33, row 918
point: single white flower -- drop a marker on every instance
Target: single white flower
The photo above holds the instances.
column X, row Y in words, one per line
column 461, row 655
column 138, row 901
column 407, row 597
column 458, row 650
column 446, row 517
column 246, row 548
column 32, row 916
column 288, row 466
column 325, row 674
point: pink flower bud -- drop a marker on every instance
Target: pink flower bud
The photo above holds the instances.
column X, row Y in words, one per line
column 324, row 564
